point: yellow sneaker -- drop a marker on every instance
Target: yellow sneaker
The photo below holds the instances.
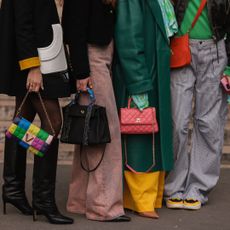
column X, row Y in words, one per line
column 175, row 203
column 192, row 204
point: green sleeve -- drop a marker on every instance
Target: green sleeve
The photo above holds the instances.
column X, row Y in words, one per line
column 227, row 71
column 129, row 39
column 141, row 101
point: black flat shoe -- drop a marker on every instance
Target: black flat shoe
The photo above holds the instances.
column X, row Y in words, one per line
column 122, row 218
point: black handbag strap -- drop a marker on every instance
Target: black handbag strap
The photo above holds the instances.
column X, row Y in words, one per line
column 88, row 114
column 98, row 164
column 87, row 124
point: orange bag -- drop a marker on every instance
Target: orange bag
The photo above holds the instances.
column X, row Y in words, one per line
column 180, row 50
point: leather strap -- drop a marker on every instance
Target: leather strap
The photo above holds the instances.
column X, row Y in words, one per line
column 202, row 5
column 98, row 164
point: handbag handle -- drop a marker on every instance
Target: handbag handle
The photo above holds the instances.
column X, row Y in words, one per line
column 91, row 96
column 43, row 107
column 129, row 102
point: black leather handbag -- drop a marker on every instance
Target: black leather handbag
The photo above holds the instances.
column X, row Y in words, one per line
column 85, row 125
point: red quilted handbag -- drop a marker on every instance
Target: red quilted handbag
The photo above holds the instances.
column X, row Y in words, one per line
column 134, row 121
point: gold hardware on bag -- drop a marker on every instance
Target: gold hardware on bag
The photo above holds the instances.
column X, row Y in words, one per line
column 138, row 120
column 29, row 137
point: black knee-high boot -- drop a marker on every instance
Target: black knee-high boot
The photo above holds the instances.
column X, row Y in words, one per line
column 44, row 179
column 14, row 173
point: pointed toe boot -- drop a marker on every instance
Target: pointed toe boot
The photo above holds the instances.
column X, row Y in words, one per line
column 13, row 189
column 44, row 187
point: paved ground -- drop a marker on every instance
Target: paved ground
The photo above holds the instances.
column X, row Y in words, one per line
column 214, row 216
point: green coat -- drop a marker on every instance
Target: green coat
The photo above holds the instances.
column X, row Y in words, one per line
column 142, row 65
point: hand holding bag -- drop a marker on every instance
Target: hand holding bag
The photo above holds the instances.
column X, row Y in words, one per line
column 28, row 135
column 85, row 125
column 134, row 121
column 180, row 50
column 226, row 84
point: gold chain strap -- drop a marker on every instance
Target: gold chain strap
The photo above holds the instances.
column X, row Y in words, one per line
column 43, row 107
column 46, row 113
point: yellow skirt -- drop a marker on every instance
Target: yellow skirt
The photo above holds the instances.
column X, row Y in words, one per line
column 143, row 192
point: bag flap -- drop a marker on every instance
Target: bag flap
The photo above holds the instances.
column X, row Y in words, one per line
column 77, row 110
column 135, row 116
column 52, row 51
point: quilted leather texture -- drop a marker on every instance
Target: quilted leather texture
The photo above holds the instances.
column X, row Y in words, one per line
column 134, row 121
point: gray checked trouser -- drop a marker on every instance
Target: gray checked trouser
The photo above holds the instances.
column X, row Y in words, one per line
column 197, row 167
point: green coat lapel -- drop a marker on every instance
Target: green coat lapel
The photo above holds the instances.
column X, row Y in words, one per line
column 156, row 12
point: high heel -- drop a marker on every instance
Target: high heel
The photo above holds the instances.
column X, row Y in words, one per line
column 13, row 189
column 4, row 207
column 34, row 215
column 21, row 204
column 152, row 214
column 54, row 216
column 44, row 187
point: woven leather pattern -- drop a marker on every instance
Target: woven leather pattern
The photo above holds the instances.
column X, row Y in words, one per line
column 134, row 121
column 29, row 136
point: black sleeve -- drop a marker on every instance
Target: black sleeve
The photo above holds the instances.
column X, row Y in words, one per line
column 25, row 35
column 75, row 25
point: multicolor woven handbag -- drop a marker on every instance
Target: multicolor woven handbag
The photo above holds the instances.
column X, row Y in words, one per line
column 28, row 135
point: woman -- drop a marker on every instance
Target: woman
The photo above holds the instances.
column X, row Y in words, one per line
column 197, row 173
column 88, row 30
column 23, row 31
column 141, row 71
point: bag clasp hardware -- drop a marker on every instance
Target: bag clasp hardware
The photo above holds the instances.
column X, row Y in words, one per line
column 138, row 120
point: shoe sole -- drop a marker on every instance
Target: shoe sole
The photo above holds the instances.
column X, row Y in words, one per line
column 197, row 207
column 175, row 206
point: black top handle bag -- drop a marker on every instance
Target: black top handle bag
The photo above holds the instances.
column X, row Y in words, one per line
column 85, row 125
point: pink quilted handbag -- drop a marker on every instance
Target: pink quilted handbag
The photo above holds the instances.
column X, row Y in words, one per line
column 134, row 121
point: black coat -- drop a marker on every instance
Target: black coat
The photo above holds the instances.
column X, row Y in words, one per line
column 25, row 25
column 86, row 22
column 219, row 16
